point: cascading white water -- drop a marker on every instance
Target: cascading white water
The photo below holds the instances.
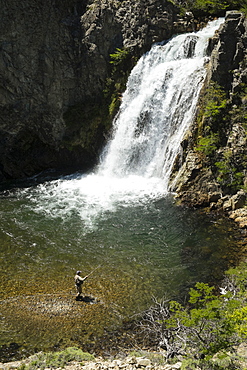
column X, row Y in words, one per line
column 157, row 108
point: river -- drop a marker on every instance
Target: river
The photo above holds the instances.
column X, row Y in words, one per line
column 119, row 221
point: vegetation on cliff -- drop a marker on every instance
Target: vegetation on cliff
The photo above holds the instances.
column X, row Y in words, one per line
column 122, row 61
column 215, row 122
column 213, row 169
column 214, row 7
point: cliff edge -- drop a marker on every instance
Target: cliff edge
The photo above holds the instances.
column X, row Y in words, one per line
column 211, row 171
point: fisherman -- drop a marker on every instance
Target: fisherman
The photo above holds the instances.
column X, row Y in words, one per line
column 78, row 283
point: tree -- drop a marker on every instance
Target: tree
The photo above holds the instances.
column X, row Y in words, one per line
column 208, row 323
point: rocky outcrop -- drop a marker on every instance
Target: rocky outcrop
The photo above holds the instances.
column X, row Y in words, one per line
column 229, row 51
column 39, row 78
column 213, row 179
column 54, row 62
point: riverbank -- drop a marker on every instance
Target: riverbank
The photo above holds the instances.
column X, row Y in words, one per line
column 129, row 363
column 136, row 360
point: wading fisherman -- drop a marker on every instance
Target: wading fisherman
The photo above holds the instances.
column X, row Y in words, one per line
column 78, row 283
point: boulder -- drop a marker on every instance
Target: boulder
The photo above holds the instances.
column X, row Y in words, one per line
column 238, row 200
column 143, row 362
column 227, row 205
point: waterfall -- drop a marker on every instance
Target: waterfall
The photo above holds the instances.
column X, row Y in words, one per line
column 157, row 108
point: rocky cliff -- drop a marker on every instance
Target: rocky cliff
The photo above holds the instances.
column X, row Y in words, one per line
column 212, row 170
column 54, row 64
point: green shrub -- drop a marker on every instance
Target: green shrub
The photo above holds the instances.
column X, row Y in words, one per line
column 215, row 7
column 136, row 353
column 53, row 360
column 215, row 101
column 122, row 61
column 244, row 7
column 22, row 367
column 207, row 145
column 204, row 322
column 212, row 119
column 228, row 174
column 210, row 323
column 119, row 56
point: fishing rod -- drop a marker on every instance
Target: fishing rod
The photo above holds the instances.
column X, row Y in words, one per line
column 93, row 270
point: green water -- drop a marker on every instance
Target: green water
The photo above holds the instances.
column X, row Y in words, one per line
column 140, row 250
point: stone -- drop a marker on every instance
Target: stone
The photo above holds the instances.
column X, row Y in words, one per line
column 111, row 365
column 214, row 197
column 227, row 205
column 177, row 365
column 131, row 360
column 116, row 363
column 238, row 200
column 233, row 14
column 243, row 224
column 167, row 367
column 143, row 362
column 242, row 350
column 10, row 365
column 241, row 219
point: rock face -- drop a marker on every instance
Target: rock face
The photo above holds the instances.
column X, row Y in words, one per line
column 54, row 61
column 213, row 179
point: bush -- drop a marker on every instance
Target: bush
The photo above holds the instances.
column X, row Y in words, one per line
column 215, row 7
column 53, row 360
column 213, row 119
column 208, row 324
column 228, row 174
column 207, row 145
column 119, row 56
